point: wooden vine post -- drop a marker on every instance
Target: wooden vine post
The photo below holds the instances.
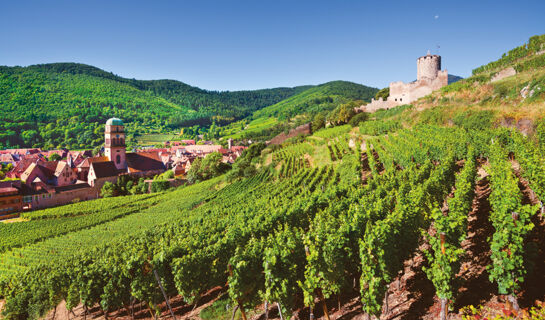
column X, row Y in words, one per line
column 238, row 300
column 324, row 306
column 164, row 293
column 444, row 301
column 444, row 309
column 512, row 302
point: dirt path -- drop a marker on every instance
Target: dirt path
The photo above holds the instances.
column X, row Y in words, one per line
column 476, row 288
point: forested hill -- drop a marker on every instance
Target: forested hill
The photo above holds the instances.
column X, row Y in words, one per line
column 65, row 104
column 324, row 97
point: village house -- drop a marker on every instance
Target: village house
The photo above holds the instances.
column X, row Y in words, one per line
column 102, row 172
column 11, row 199
column 82, row 169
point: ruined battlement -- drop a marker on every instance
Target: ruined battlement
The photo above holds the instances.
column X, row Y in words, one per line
column 429, row 77
column 428, row 66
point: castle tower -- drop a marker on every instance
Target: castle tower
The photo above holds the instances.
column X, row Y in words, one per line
column 114, row 144
column 428, row 66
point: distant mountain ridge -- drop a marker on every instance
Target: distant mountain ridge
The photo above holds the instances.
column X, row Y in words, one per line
column 65, row 104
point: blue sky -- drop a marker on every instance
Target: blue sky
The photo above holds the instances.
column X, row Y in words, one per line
column 230, row 45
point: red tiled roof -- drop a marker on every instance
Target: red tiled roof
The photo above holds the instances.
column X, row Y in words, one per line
column 104, row 169
column 144, row 161
column 8, row 190
column 72, row 187
column 87, row 161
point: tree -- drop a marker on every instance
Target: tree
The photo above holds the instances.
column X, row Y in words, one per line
column 194, row 175
column 212, row 165
column 383, row 93
column 55, row 157
column 206, row 168
column 359, row 117
column 318, row 122
column 169, row 174
column 108, row 190
column 29, row 136
column 344, row 112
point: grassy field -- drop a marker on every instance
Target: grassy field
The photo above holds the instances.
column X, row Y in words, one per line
column 255, row 126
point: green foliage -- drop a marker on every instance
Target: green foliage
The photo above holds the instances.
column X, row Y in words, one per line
column 57, row 221
column 445, row 254
column 388, row 242
column 55, row 157
column 531, row 64
column 378, row 127
column 535, row 44
column 66, row 105
column 343, row 113
column 160, row 185
column 383, row 93
column 511, row 221
column 103, row 252
column 107, row 190
column 284, row 265
column 318, row 122
column 244, row 165
column 333, row 132
column 325, row 97
column 246, row 274
column 474, row 119
column 358, row 118
column 206, row 168
column 389, row 113
column 125, row 185
column 434, row 116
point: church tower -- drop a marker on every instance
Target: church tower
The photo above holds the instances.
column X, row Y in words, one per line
column 114, row 145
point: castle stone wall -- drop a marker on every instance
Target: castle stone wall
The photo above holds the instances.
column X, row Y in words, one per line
column 430, row 77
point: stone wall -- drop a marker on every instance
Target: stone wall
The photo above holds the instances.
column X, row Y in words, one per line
column 507, row 72
column 48, row 200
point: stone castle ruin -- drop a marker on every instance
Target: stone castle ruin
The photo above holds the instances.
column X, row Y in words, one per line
column 429, row 77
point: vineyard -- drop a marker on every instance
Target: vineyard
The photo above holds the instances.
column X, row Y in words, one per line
column 297, row 235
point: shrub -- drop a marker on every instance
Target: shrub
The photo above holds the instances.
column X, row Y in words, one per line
column 474, row 120
column 383, row 93
column 359, row 117
column 378, row 127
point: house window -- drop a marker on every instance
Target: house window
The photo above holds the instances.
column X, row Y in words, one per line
column 27, row 199
column 36, row 198
column 118, row 159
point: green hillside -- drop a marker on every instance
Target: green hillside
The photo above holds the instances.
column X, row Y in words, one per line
column 299, row 108
column 65, row 104
column 324, row 97
column 479, row 102
column 419, row 209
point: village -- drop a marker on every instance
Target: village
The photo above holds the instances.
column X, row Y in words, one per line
column 40, row 179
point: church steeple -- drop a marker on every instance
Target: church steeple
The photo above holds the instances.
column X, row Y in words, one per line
column 114, row 144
